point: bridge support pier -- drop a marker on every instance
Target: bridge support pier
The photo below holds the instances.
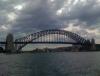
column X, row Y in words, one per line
column 93, row 47
column 9, row 47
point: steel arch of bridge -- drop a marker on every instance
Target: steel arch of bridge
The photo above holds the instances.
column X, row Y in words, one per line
column 34, row 36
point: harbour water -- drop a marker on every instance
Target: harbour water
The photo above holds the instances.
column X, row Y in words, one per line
column 50, row 64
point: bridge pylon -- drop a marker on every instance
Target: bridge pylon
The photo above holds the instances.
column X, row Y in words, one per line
column 9, row 46
column 93, row 47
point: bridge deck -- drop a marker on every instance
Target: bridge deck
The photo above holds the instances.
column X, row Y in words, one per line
column 42, row 43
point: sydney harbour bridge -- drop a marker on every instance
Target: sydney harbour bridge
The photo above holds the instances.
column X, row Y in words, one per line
column 51, row 36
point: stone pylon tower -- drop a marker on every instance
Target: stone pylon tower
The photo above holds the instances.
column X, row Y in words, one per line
column 93, row 47
column 9, row 47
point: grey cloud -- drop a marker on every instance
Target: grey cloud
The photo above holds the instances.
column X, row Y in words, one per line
column 41, row 14
column 87, row 13
column 38, row 14
column 38, row 17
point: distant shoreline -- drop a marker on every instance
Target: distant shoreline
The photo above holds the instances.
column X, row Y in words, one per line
column 53, row 50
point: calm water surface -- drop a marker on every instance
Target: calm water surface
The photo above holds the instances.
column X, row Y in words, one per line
column 51, row 64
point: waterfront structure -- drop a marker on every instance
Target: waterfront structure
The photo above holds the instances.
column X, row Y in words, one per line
column 44, row 37
column 9, row 46
column 93, row 46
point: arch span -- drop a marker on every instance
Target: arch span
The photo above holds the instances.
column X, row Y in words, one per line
column 34, row 36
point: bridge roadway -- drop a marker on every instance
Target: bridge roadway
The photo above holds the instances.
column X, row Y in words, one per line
column 44, row 43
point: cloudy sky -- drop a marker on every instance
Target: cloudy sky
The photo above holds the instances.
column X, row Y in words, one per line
column 26, row 16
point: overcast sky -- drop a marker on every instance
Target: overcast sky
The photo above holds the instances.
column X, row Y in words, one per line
column 27, row 16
